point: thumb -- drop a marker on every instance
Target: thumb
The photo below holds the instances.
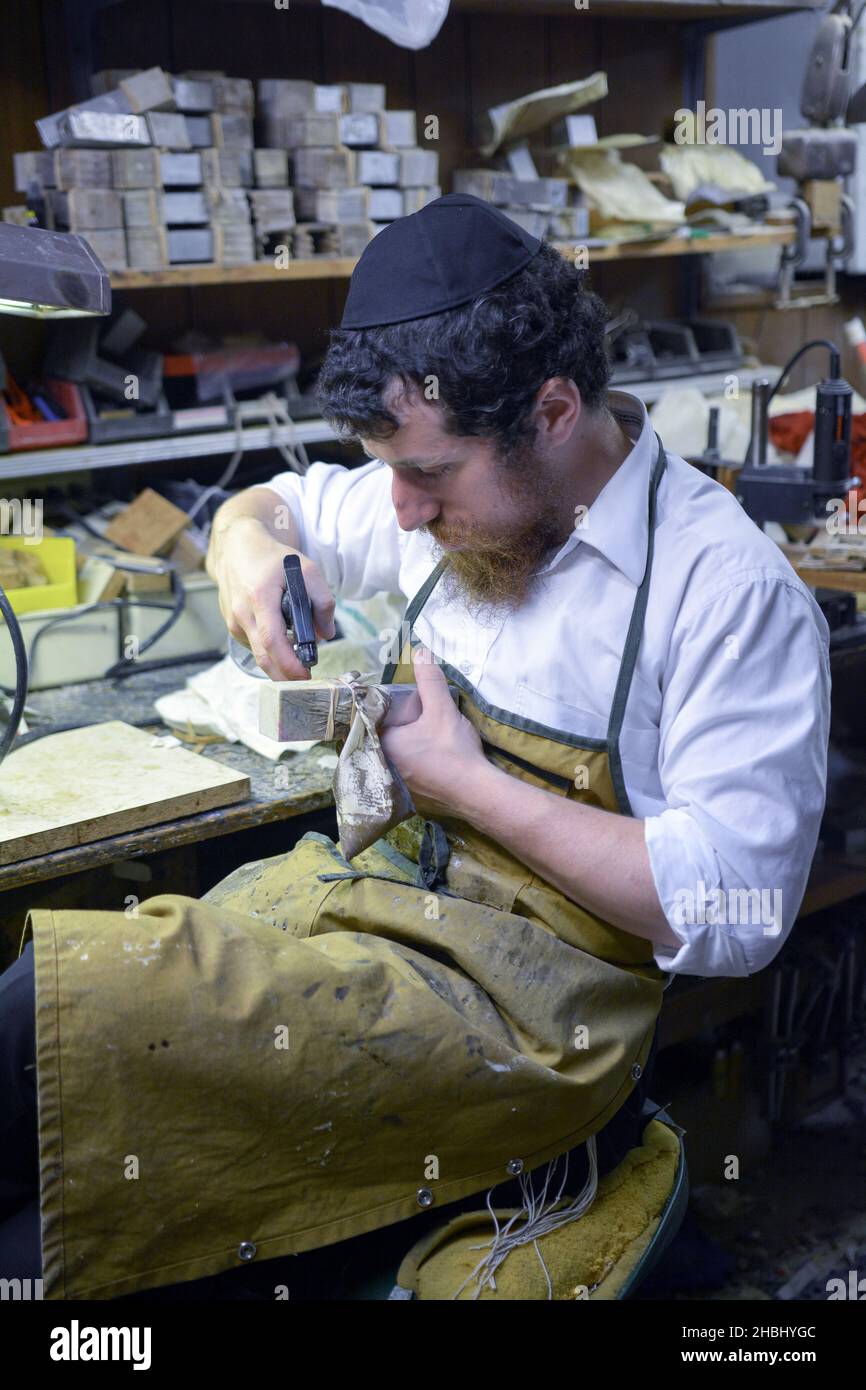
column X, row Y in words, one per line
column 429, row 677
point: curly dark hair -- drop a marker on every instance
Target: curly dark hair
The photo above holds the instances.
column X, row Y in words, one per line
column 489, row 358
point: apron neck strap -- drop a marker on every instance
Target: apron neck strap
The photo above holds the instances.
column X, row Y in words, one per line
column 635, row 627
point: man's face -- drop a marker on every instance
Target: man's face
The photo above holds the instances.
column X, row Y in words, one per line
column 496, row 518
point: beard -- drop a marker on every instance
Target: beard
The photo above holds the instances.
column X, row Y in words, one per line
column 493, row 569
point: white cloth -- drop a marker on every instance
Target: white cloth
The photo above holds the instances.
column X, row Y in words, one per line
column 724, row 741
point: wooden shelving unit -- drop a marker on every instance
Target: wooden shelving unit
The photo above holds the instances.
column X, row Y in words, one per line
column 327, row 268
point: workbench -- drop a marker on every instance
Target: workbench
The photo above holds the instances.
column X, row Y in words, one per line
column 179, row 852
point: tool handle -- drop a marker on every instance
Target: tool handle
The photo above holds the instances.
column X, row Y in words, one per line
column 298, row 612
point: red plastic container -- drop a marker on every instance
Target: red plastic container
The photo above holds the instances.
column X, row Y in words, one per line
column 47, row 434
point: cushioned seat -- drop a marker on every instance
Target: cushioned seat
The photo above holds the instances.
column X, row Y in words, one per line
column 604, row 1254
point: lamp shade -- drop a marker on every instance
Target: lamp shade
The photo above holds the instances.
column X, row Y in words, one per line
column 50, row 274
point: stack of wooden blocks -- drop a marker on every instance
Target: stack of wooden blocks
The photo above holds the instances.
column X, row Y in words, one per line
column 157, row 170
column 356, row 165
column 544, row 207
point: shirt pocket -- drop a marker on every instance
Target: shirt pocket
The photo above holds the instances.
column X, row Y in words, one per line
column 639, row 746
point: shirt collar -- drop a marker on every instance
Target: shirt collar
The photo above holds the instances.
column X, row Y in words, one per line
column 616, row 524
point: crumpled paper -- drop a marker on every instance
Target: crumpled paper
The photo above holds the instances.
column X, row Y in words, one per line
column 369, row 794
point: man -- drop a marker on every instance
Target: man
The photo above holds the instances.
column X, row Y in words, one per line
column 640, row 731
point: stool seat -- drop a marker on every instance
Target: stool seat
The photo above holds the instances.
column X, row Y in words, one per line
column 604, row 1254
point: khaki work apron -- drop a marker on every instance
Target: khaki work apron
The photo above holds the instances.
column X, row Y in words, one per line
column 319, row 1049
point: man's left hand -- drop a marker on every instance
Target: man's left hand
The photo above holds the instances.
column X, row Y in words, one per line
column 437, row 753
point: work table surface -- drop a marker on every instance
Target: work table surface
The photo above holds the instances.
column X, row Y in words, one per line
column 304, row 784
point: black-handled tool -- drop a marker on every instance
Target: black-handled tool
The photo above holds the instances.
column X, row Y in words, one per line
column 298, row 612
column 298, row 616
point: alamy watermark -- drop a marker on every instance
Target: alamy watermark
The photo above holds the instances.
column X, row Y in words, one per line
column 21, row 517
column 736, row 126
column 729, row 907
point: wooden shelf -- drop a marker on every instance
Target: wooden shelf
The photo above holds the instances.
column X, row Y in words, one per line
column 328, row 268
column 322, row 268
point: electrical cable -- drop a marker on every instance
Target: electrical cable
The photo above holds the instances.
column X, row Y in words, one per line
column 835, row 368
column 277, row 413
column 21, row 675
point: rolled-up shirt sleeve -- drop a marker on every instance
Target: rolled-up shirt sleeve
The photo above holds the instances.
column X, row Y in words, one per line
column 743, row 764
column 347, row 524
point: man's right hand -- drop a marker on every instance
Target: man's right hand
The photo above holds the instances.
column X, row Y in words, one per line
column 247, row 564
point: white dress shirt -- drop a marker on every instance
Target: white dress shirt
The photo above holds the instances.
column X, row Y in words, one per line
column 724, row 740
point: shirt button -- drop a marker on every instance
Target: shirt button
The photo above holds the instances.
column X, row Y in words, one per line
column 246, row 1250
column 466, row 667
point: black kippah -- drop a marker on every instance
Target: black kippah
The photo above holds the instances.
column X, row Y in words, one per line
column 454, row 249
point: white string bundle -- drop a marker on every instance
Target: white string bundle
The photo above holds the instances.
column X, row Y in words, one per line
column 542, row 1215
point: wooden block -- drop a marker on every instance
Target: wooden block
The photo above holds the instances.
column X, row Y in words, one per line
column 366, row 96
column 378, row 167
column 150, row 90
column 169, row 130
column 290, row 711
column 83, row 785
column 109, row 246
column 326, row 168
column 33, row 166
column 227, row 206
column 414, row 199
column 319, row 129
column 148, row 583
column 233, row 95
column 82, row 169
column 234, row 244
column 135, row 168
column 271, row 168
column 287, row 95
column 331, row 98
column 232, row 131
column 350, row 238
column 229, row 168
column 104, row 129
column 194, row 95
column 361, row 129
column 199, row 131
column 142, row 208
column 82, row 208
column 147, row 248
column 190, row 244
column 386, row 204
column 99, row 581
column 399, row 129
column 333, row 204
column 180, row 170
column 184, row 209
column 273, row 209
column 148, row 526
column 418, row 168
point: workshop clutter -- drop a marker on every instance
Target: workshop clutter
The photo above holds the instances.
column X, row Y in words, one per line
column 124, row 581
column 99, row 384
column 158, row 170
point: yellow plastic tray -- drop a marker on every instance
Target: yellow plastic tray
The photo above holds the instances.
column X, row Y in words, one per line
column 57, row 554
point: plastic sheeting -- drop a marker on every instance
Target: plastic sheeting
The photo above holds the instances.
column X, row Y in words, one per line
column 409, row 23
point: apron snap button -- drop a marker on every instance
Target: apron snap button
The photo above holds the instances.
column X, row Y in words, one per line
column 514, row 1166
column 637, row 1071
column 246, row 1250
column 424, row 1197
